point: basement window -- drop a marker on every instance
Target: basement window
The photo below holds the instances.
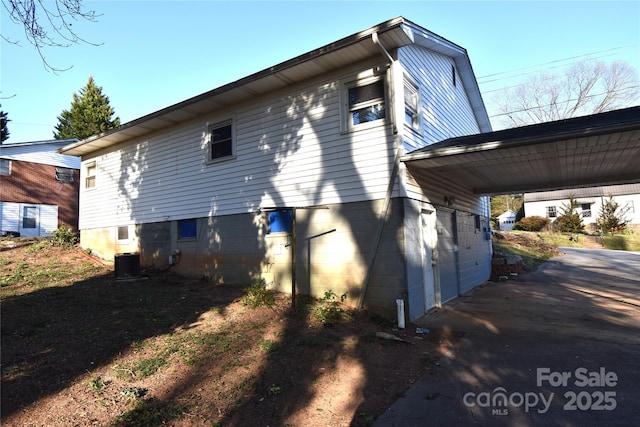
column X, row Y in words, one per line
column 281, row 221
column 123, row 233
column 187, row 229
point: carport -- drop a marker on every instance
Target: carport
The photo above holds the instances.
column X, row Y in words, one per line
column 596, row 150
column 600, row 149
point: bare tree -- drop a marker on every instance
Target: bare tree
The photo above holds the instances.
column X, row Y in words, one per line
column 587, row 87
column 48, row 23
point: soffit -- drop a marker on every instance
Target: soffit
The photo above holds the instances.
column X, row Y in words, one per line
column 590, row 151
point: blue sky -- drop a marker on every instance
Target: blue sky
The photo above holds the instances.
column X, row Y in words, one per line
column 153, row 54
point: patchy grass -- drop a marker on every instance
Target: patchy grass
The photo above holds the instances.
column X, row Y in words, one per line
column 534, row 248
column 81, row 348
column 623, row 242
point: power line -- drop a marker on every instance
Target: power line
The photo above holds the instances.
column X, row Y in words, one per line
column 610, row 52
column 537, row 107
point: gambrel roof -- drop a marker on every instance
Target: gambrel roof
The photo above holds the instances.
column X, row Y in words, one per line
column 392, row 34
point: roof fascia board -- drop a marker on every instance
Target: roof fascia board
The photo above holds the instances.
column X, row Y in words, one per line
column 51, row 142
column 331, row 47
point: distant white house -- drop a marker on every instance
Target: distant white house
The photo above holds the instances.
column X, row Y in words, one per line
column 507, row 220
column 590, row 200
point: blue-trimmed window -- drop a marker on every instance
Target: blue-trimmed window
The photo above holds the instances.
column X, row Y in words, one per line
column 281, row 221
column 187, row 229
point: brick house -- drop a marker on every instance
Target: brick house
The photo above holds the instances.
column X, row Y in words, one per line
column 39, row 188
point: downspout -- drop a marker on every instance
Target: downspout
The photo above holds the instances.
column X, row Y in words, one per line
column 384, row 212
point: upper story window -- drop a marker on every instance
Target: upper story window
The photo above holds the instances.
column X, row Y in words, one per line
column 221, row 141
column 411, row 105
column 366, row 102
column 64, row 174
column 90, row 179
column 5, row 167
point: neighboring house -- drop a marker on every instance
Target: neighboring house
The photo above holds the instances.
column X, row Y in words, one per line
column 507, row 220
column 590, row 200
column 39, row 188
column 293, row 175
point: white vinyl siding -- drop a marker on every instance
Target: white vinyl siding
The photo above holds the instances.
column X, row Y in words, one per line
column 48, row 219
column 289, row 152
column 12, row 218
column 9, row 217
column 445, row 108
column 445, row 113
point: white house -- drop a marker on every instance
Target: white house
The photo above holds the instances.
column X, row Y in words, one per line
column 550, row 204
column 293, row 174
column 507, row 220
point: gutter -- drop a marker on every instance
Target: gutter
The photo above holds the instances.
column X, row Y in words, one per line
column 384, row 212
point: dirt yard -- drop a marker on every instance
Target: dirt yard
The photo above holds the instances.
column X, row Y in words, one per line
column 82, row 348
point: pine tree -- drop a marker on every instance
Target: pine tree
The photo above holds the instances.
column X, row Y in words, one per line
column 90, row 114
column 612, row 218
column 4, row 130
column 569, row 221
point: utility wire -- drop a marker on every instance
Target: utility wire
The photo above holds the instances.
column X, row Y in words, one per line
column 573, row 58
column 557, row 103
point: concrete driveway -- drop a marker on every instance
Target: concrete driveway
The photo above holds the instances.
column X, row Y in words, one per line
column 560, row 346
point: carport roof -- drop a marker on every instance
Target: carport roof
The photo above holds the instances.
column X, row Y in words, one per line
column 600, row 149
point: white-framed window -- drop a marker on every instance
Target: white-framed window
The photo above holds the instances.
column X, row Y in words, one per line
column 90, row 175
column 551, row 212
column 411, row 105
column 64, row 174
column 221, row 144
column 123, row 232
column 628, row 207
column 30, row 217
column 365, row 102
column 586, row 210
column 5, row 167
